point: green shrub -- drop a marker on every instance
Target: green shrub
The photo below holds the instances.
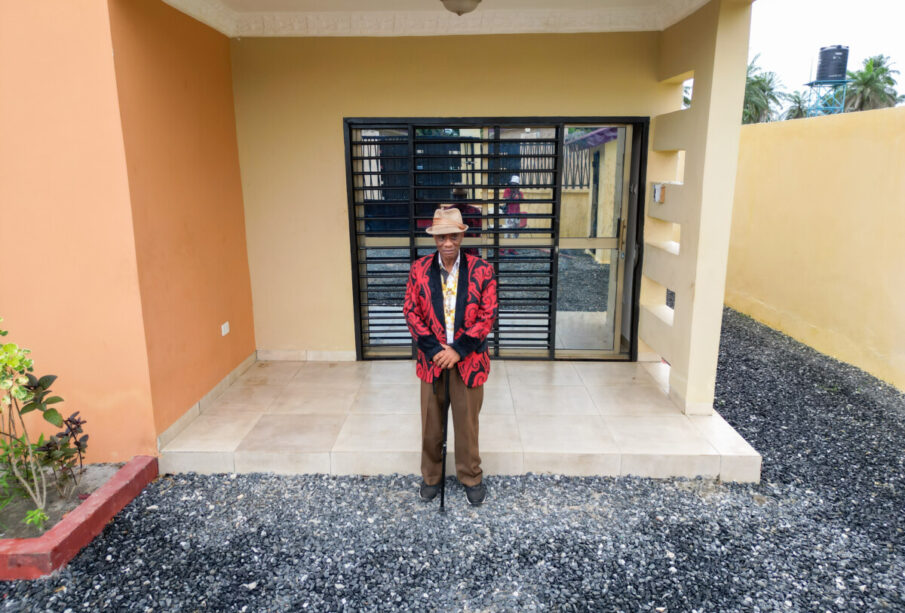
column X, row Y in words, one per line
column 30, row 464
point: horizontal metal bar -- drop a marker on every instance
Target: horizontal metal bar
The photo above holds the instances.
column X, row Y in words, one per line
column 402, row 142
column 377, row 123
column 451, row 186
column 386, row 275
column 483, row 201
column 360, row 173
column 453, row 156
column 390, row 337
column 507, row 350
column 528, row 274
column 482, row 171
column 384, row 233
column 482, row 216
column 423, row 140
column 478, row 231
column 490, row 171
column 435, row 201
column 523, row 301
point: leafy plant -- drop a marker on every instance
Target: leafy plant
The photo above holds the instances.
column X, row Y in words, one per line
column 63, row 451
column 14, row 362
column 36, row 518
column 21, row 392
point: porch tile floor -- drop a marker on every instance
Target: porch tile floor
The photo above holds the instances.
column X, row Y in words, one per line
column 581, row 418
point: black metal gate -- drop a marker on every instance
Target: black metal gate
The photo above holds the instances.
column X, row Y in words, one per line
column 504, row 175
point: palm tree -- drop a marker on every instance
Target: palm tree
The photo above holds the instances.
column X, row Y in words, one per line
column 762, row 94
column 872, row 87
column 799, row 105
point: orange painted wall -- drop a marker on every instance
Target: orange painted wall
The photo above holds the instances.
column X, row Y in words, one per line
column 68, row 279
column 174, row 80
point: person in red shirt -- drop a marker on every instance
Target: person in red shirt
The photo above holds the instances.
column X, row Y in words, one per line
column 513, row 192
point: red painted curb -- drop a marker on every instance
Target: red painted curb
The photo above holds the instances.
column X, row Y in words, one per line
column 35, row 557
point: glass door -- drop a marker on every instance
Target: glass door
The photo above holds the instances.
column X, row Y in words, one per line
column 593, row 218
column 548, row 203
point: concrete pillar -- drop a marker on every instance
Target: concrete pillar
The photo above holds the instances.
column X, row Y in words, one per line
column 711, row 45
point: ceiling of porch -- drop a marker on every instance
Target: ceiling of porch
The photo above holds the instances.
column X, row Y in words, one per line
column 430, row 18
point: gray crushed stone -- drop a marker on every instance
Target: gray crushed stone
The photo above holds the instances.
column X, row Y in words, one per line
column 823, row 531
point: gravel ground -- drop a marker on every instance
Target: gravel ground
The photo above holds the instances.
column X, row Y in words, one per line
column 578, row 271
column 823, row 531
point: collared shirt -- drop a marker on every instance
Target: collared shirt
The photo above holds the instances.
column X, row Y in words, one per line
column 450, row 283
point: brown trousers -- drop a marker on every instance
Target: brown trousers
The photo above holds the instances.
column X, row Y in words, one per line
column 466, row 405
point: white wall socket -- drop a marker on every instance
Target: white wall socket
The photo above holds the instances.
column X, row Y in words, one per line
column 224, row 329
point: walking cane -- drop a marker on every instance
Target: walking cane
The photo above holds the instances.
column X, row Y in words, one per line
column 446, row 404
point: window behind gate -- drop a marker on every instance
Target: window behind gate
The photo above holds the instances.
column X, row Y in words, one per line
column 503, row 178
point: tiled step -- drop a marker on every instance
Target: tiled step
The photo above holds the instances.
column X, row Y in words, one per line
column 541, row 417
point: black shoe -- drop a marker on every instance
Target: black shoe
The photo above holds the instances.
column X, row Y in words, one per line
column 429, row 492
column 476, row 494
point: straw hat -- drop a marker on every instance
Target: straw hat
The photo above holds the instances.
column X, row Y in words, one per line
column 447, row 220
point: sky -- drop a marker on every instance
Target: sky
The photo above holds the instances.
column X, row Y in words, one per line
column 788, row 34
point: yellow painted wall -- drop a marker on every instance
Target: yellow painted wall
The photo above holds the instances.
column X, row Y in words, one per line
column 292, row 94
column 575, row 212
column 818, row 235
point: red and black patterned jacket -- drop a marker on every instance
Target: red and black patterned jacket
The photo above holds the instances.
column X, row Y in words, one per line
column 476, row 310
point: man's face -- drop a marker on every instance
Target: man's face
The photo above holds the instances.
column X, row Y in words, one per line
column 448, row 244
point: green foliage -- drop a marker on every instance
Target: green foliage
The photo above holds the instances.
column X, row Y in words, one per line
column 63, row 453
column 21, row 392
column 36, row 518
column 8, row 491
column 762, row 95
column 799, row 105
column 872, row 87
column 14, row 454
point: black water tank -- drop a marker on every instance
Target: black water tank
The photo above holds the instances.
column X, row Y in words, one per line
column 832, row 63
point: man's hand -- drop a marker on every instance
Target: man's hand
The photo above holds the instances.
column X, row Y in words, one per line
column 446, row 358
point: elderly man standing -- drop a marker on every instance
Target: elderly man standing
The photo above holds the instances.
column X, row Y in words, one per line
column 450, row 306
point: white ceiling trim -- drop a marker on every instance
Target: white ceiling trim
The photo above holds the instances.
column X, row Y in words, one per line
column 435, row 23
